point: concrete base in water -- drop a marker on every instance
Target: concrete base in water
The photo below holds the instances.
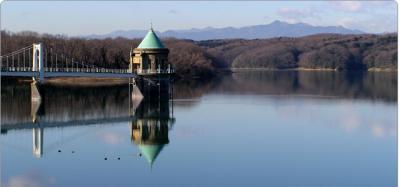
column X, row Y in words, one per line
column 154, row 88
column 35, row 94
column 36, row 100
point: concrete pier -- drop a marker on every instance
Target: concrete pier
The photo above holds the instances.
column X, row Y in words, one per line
column 155, row 88
column 36, row 101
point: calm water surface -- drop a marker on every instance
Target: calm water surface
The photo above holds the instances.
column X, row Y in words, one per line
column 244, row 129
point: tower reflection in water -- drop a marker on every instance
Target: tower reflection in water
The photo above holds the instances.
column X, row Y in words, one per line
column 149, row 131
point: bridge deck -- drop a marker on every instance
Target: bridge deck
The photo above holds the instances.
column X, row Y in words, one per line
column 68, row 74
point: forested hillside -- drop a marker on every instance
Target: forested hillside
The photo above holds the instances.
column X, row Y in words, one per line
column 205, row 58
column 323, row 51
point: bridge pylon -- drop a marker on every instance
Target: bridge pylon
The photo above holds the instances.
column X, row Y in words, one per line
column 37, row 60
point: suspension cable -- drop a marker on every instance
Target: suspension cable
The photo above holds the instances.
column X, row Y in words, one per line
column 17, row 51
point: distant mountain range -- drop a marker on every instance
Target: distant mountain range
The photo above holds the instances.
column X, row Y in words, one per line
column 274, row 29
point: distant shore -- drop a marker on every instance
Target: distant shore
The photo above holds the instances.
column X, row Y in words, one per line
column 92, row 81
column 307, row 69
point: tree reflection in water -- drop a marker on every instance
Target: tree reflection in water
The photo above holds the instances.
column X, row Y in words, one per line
column 153, row 117
column 67, row 103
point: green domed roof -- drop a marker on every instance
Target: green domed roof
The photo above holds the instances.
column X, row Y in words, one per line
column 150, row 152
column 151, row 41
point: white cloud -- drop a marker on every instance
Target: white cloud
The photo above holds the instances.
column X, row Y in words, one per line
column 111, row 138
column 351, row 123
column 372, row 25
column 346, row 22
column 351, row 6
column 31, row 179
column 295, row 15
column 378, row 131
column 382, row 3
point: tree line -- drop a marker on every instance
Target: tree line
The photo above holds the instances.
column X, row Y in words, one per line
column 187, row 58
column 205, row 58
column 322, row 51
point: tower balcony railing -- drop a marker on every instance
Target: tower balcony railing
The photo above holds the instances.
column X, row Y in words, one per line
column 155, row 71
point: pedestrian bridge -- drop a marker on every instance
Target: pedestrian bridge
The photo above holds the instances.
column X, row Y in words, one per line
column 37, row 62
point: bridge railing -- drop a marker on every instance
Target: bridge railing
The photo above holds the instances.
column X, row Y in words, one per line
column 72, row 70
column 86, row 70
column 16, row 69
column 90, row 70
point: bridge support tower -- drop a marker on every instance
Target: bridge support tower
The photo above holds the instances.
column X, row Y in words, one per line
column 37, row 61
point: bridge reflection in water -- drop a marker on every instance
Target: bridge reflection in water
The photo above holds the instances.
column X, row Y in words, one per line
column 150, row 119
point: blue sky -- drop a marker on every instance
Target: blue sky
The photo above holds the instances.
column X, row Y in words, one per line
column 99, row 17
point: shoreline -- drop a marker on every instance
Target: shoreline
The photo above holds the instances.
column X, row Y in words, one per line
column 86, row 81
column 92, row 81
column 233, row 70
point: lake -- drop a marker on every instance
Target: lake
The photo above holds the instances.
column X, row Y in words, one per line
column 276, row 128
